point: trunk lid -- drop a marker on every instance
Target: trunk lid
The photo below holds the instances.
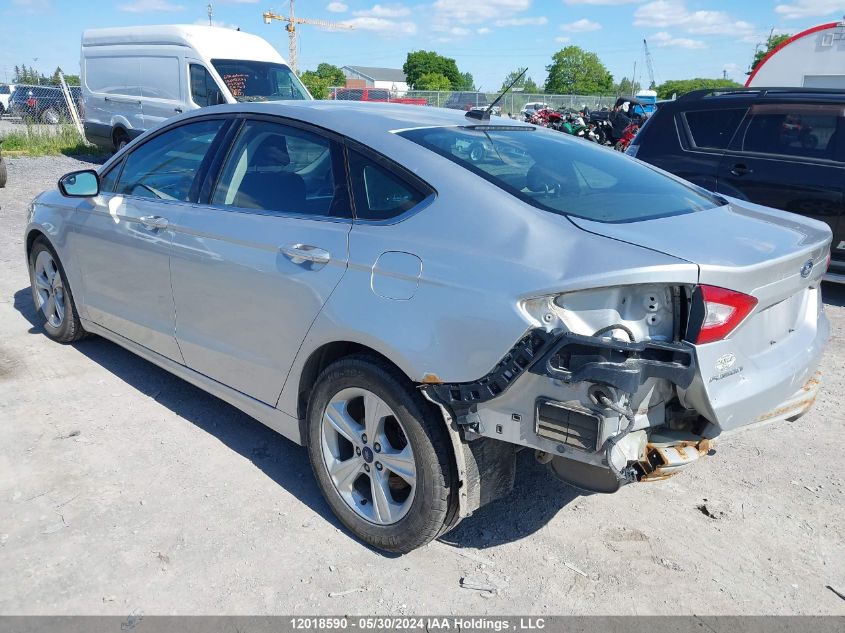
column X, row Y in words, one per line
column 775, row 256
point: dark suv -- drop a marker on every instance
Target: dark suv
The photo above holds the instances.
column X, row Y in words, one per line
column 45, row 104
column 779, row 147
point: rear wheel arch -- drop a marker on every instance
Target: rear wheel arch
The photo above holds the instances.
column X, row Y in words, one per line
column 319, row 360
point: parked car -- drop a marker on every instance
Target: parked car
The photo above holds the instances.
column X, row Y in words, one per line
column 465, row 100
column 780, row 147
column 347, row 276
column 6, row 91
column 374, row 94
column 531, row 108
column 44, row 104
column 135, row 77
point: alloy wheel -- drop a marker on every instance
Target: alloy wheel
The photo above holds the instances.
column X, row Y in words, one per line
column 48, row 289
column 368, row 456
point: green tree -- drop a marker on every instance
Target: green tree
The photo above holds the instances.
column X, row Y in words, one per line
column 576, row 71
column 772, row 43
column 317, row 85
column 419, row 63
column 467, row 82
column 319, row 81
column 332, row 73
column 526, row 84
column 678, row 87
column 433, row 81
column 625, row 87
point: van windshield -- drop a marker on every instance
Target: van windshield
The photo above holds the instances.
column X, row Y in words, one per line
column 250, row 80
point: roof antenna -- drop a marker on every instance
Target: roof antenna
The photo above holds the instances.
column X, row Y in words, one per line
column 484, row 115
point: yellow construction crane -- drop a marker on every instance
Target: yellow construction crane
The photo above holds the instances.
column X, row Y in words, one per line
column 292, row 21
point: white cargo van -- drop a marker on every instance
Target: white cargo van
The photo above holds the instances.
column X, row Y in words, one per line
column 133, row 78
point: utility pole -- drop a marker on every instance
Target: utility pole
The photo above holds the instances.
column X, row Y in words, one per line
column 292, row 21
column 210, row 15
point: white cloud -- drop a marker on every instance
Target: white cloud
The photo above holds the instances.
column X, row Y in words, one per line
column 810, row 8
column 665, row 40
column 483, row 30
column 220, row 23
column 385, row 11
column 382, row 26
column 674, row 13
column 145, row 6
column 562, row 39
column 459, row 31
column 601, row 2
column 539, row 21
column 476, row 11
column 337, row 7
column 580, row 26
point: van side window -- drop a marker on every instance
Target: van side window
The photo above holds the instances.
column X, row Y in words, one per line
column 164, row 167
column 276, row 168
column 713, row 129
column 379, row 193
column 204, row 90
column 804, row 130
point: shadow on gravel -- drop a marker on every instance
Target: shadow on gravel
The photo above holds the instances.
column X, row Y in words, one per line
column 536, row 498
column 280, row 459
column 833, row 294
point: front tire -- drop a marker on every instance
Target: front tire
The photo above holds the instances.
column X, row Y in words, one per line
column 50, row 116
column 381, row 455
column 54, row 303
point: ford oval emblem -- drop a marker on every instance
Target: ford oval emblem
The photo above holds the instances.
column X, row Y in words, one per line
column 807, row 268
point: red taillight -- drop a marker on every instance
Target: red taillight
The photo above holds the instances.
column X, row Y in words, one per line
column 724, row 310
column 30, row 103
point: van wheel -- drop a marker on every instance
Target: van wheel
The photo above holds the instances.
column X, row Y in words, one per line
column 380, row 454
column 50, row 116
column 51, row 294
column 476, row 152
column 119, row 139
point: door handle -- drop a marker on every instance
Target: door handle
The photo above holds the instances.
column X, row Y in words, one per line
column 154, row 222
column 740, row 170
column 301, row 253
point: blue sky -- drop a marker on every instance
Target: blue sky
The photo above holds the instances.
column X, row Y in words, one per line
column 488, row 38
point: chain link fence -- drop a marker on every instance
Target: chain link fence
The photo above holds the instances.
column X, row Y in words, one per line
column 511, row 103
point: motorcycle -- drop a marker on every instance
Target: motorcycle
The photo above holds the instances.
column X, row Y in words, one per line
column 627, row 136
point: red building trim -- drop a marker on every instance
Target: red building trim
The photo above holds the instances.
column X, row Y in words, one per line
column 782, row 45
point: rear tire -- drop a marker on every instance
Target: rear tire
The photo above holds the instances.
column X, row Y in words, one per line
column 51, row 293
column 364, row 478
column 119, row 140
column 50, row 116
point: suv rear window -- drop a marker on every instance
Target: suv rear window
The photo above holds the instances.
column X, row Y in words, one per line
column 713, row 129
column 565, row 176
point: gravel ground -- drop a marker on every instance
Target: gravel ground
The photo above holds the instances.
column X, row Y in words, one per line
column 124, row 489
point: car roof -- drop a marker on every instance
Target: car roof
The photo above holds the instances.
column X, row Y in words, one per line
column 747, row 96
column 358, row 119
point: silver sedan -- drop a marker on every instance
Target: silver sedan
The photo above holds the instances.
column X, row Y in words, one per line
column 354, row 277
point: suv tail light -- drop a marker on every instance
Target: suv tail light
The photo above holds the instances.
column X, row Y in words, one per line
column 723, row 310
column 30, row 103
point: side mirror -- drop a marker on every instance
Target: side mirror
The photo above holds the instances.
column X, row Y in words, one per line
column 80, row 184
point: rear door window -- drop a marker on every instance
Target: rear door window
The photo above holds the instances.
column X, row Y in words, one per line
column 282, row 169
column 794, row 130
column 713, row 129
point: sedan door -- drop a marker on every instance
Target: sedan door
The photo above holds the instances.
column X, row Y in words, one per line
column 123, row 242
column 252, row 269
column 789, row 156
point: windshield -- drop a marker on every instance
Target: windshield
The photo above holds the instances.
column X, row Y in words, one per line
column 250, row 80
column 566, row 176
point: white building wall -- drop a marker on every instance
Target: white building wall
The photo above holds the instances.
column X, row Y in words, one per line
column 401, row 87
column 807, row 61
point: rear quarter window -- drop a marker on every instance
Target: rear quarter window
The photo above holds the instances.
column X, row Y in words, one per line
column 713, row 129
column 795, row 130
